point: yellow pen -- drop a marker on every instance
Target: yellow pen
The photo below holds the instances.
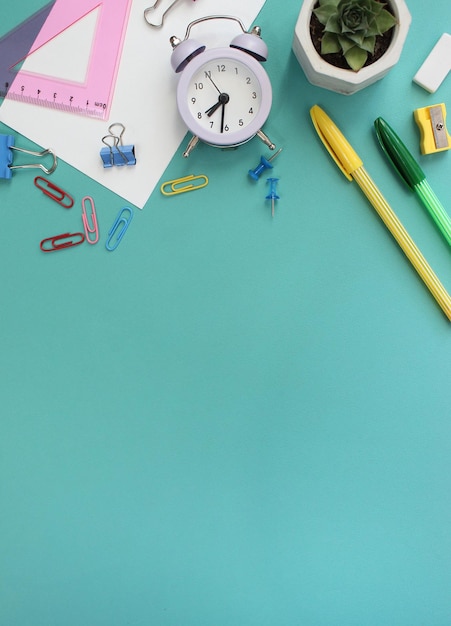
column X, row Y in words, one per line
column 351, row 165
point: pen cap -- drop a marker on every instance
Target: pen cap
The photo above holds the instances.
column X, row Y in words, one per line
column 398, row 154
column 335, row 142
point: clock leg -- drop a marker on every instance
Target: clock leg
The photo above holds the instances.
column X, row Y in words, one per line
column 191, row 145
column 266, row 140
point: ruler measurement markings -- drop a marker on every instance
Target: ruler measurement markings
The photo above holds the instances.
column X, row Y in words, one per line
column 92, row 98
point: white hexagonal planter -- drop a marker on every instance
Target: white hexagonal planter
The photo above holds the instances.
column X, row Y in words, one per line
column 323, row 74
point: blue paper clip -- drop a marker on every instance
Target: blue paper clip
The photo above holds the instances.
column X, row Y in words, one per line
column 6, row 158
column 115, row 153
column 114, row 231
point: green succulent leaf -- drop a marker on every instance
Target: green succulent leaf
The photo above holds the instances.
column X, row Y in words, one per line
column 356, row 38
column 356, row 58
column 369, row 44
column 330, row 44
column 323, row 13
column 345, row 44
column 373, row 29
column 333, row 25
column 385, row 21
column 334, row 3
column 377, row 9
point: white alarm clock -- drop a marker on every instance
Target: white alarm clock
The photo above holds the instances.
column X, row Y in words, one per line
column 224, row 95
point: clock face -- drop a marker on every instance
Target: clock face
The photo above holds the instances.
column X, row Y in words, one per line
column 224, row 96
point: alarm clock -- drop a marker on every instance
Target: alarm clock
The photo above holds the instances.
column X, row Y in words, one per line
column 224, row 95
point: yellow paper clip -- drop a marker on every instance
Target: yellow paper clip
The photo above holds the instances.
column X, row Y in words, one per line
column 174, row 185
column 431, row 121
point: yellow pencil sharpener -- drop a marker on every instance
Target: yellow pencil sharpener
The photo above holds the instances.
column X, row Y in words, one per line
column 431, row 121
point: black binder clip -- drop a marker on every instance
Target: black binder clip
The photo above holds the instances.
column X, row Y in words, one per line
column 115, row 152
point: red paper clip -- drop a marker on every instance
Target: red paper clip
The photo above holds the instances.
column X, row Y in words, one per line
column 71, row 240
column 59, row 194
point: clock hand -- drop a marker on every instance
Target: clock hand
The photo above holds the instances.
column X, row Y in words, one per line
column 212, row 109
column 222, row 100
column 213, row 83
column 222, row 117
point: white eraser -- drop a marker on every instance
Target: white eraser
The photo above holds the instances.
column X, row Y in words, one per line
column 437, row 65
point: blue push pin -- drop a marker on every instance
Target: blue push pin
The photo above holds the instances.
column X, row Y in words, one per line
column 263, row 165
column 272, row 192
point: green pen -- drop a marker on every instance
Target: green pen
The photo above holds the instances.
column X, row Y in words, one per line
column 412, row 175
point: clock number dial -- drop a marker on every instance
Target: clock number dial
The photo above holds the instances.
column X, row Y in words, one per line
column 224, row 95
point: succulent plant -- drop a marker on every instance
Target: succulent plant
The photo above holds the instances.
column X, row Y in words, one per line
column 351, row 27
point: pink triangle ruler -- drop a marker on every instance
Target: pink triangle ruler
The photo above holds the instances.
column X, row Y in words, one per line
column 94, row 96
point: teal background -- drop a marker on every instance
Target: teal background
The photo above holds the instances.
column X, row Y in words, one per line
column 232, row 420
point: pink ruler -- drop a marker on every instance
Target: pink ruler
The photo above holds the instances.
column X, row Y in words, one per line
column 92, row 98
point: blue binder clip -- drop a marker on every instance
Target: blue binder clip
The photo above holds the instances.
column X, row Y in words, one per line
column 115, row 152
column 6, row 158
